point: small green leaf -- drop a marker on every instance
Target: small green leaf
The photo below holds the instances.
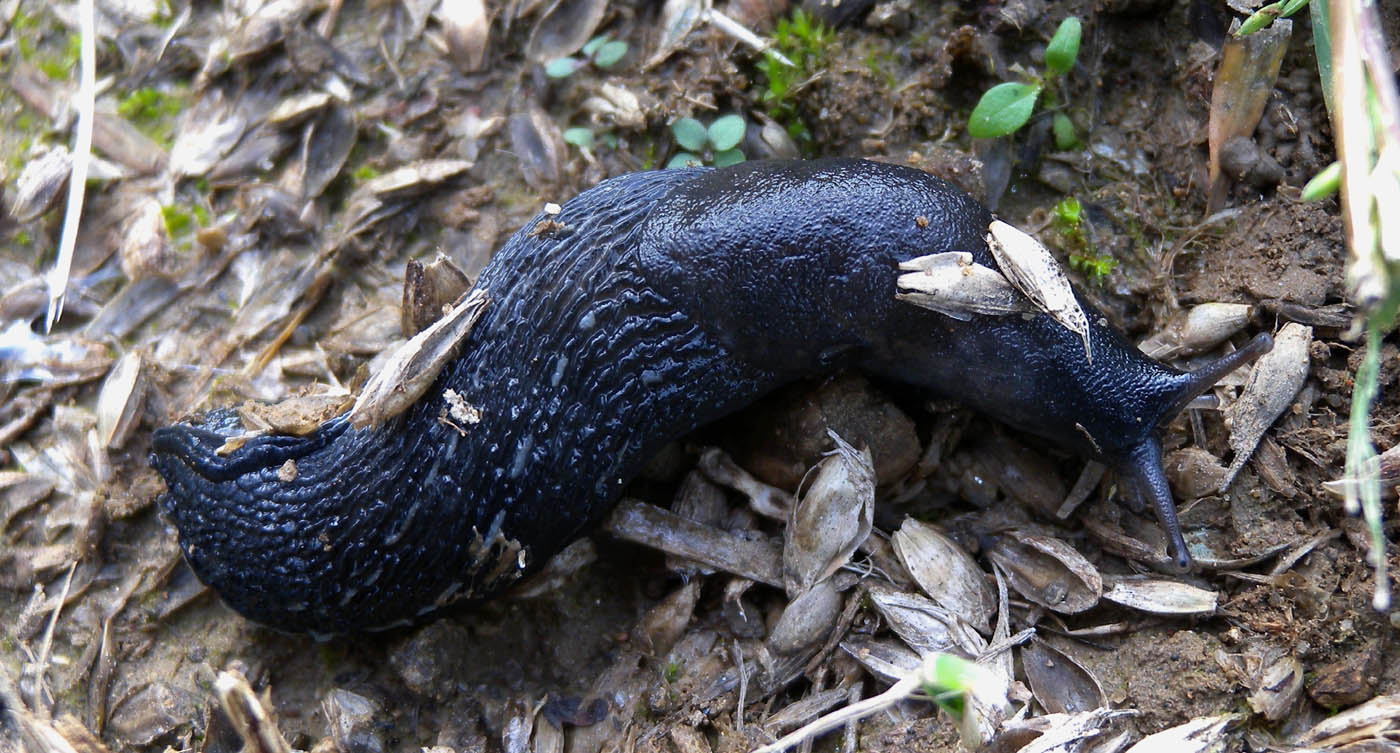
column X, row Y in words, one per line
column 1257, row 20
column 690, row 134
column 1064, row 47
column 949, row 677
column 1003, row 109
column 579, row 137
column 729, row 157
column 177, row 220
column 609, row 54
column 593, row 44
column 1065, row 136
column 561, row 67
column 683, row 159
column 1069, row 212
column 1324, row 184
column 726, row 132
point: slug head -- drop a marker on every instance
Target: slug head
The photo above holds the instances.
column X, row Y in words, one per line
column 1141, row 468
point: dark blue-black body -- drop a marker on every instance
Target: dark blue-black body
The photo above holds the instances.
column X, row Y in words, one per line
column 666, row 300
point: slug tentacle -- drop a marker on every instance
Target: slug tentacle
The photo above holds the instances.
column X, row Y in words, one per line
column 647, row 306
column 1143, row 471
column 1196, row 382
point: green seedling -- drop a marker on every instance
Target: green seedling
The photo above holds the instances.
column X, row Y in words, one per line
column 364, row 174
column 183, row 221
column 580, row 137
column 152, row 111
column 950, row 680
column 1066, row 137
column 969, row 691
column 601, row 52
column 587, row 140
column 180, row 221
column 1260, row 19
column 62, row 65
column 1068, row 220
column 1325, row 184
column 1008, row 106
column 1069, row 215
column 1365, row 105
column 806, row 43
column 1096, row 268
column 717, row 144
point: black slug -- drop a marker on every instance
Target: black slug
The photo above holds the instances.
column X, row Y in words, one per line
column 658, row 301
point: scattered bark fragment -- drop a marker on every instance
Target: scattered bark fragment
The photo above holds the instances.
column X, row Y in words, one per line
column 296, row 416
column 1349, row 680
column 121, row 400
column 1277, row 688
column 660, row 529
column 830, row 520
column 1060, row 683
column 40, row 183
column 952, row 284
column 1273, row 382
column 415, row 365
column 1158, row 596
column 1047, row 571
column 946, row 572
column 1208, row 733
column 429, row 291
column 1197, row 330
column 251, row 715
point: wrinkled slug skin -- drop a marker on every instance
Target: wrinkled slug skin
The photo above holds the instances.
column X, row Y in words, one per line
column 667, row 300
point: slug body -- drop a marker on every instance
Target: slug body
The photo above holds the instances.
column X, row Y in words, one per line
column 666, row 300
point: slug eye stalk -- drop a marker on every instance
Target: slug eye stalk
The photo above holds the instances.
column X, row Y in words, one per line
column 1143, row 467
column 1195, row 383
column 1143, row 472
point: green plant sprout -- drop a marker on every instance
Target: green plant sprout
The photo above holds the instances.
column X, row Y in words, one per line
column 805, row 42
column 1325, row 184
column 717, row 144
column 601, row 52
column 180, row 221
column 968, row 691
column 1067, row 217
column 152, row 111
column 1008, row 106
column 1261, row 18
column 586, row 138
column 59, row 65
column 1365, row 107
column 364, row 174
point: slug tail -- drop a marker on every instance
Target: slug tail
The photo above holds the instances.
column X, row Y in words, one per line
column 1143, row 469
column 1197, row 382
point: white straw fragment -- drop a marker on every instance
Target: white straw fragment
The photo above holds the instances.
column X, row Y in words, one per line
column 57, row 278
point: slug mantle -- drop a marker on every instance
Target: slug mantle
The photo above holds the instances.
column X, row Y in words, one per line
column 660, row 302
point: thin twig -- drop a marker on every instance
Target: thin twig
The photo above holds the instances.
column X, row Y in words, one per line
column 740, row 32
column 897, row 692
column 41, row 706
column 82, row 154
column 743, row 686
